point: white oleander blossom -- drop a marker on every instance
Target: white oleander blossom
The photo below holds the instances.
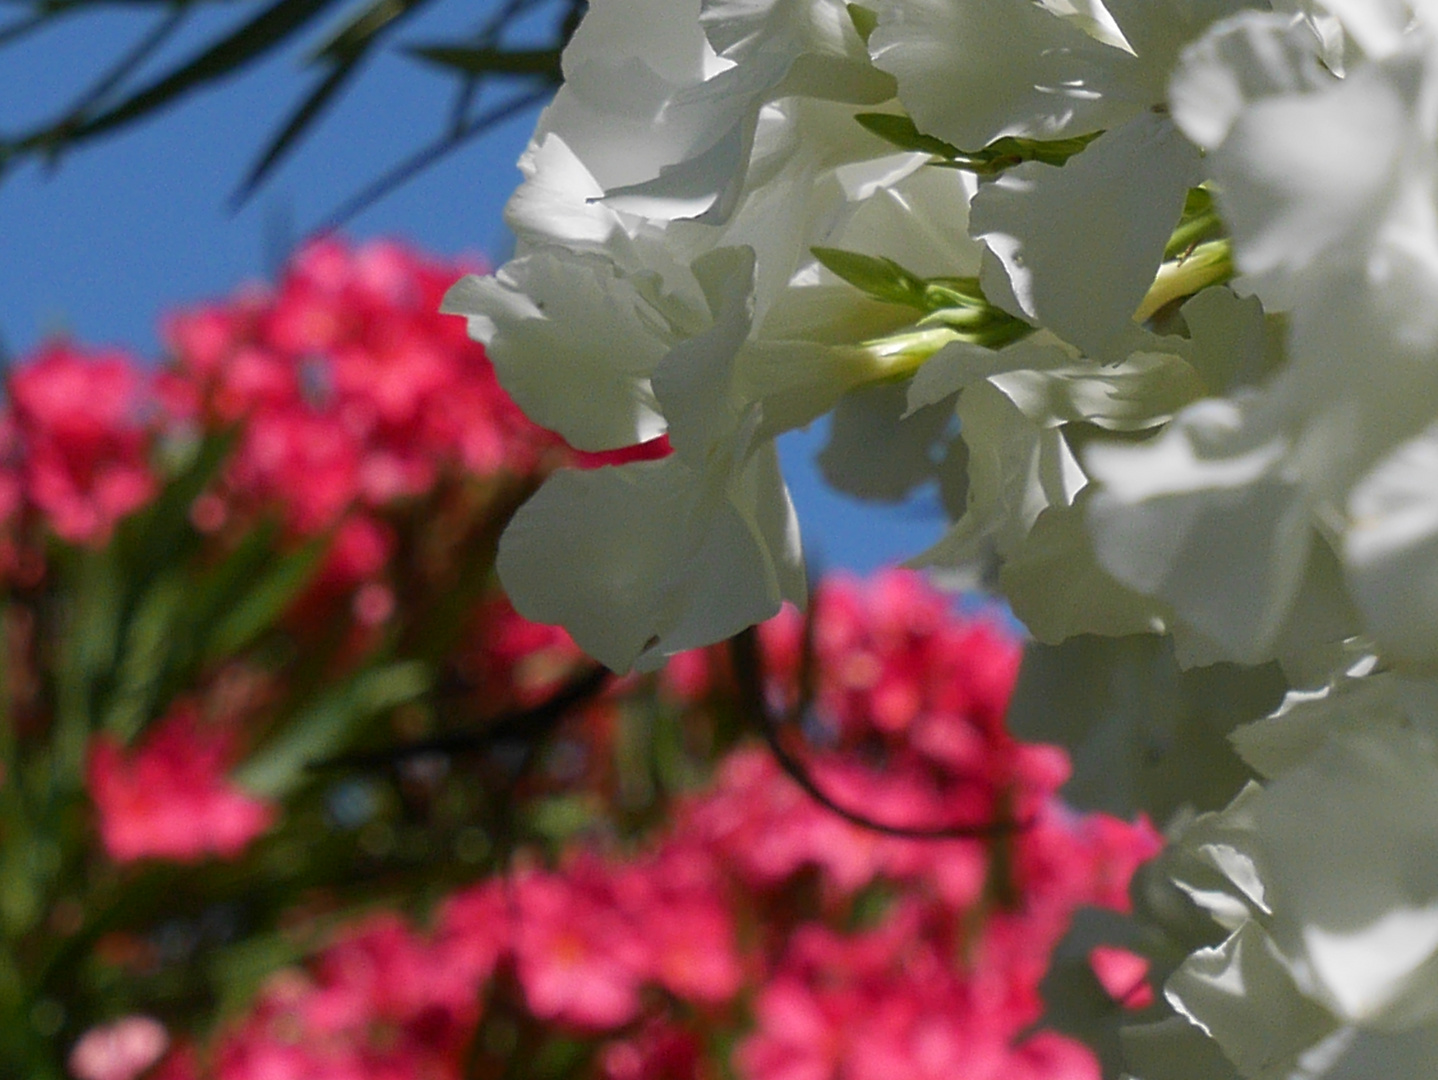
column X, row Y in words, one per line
column 1073, row 249
column 1330, row 189
column 1325, row 880
column 603, row 321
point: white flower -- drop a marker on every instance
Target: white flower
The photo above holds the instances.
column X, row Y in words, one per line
column 1329, row 970
column 1331, row 190
column 1391, row 551
column 1075, row 248
column 643, row 560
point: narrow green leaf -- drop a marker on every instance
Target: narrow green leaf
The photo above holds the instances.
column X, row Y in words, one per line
column 1048, row 151
column 328, row 725
column 489, row 61
column 148, row 640
column 941, row 292
column 161, row 535
column 88, row 640
column 357, row 34
column 344, row 51
column 304, row 115
column 900, row 131
column 267, row 30
column 881, row 278
column 259, row 609
column 999, row 155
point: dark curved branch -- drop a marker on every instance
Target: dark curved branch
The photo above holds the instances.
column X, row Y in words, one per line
column 749, row 675
column 530, row 728
column 423, row 159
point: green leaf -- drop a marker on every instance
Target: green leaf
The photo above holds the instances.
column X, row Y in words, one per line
column 999, row 155
column 881, row 278
column 865, row 20
column 344, row 52
column 479, row 60
column 161, row 535
column 900, row 131
column 262, row 606
column 354, row 37
column 305, row 114
column 1048, row 151
column 328, row 725
column 266, row 31
column 88, row 639
column 941, row 292
column 148, row 640
column 954, row 303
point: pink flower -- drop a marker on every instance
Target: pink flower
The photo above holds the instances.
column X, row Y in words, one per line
column 678, row 897
column 473, row 933
column 84, row 451
column 1123, row 975
column 380, row 1003
column 119, row 1051
column 579, row 958
column 659, row 1051
column 168, row 797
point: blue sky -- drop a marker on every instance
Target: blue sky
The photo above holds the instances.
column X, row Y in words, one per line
column 131, row 225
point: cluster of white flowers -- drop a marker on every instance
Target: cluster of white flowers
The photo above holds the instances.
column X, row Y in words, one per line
column 1150, row 287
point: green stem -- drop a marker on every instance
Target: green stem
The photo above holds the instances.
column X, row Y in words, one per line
column 1207, row 264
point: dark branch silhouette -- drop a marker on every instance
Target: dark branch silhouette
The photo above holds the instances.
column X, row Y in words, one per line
column 748, row 666
column 528, row 728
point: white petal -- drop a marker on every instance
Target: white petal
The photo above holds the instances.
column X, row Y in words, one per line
column 1232, row 345
column 1142, row 734
column 1391, row 552
column 1252, row 56
column 1141, row 392
column 960, row 363
column 572, row 342
column 1244, row 995
column 823, row 52
column 1302, row 174
column 693, row 381
column 1202, row 518
column 1017, row 469
column 1174, row 1049
column 643, row 560
column 1350, row 842
column 1080, row 244
column 1057, row 589
column 970, row 71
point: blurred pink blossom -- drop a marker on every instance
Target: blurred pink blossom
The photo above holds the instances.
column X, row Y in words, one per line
column 168, row 798
column 121, row 1050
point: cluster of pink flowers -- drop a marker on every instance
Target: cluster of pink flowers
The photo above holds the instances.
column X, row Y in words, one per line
column 753, row 924
column 817, row 948
column 350, row 392
column 76, row 442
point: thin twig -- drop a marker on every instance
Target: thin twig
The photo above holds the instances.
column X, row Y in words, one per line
column 749, row 675
column 421, row 160
column 531, row 727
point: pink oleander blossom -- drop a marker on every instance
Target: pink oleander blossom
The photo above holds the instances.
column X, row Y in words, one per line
column 374, row 1005
column 581, row 959
column 81, row 440
column 168, row 798
column 122, row 1050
